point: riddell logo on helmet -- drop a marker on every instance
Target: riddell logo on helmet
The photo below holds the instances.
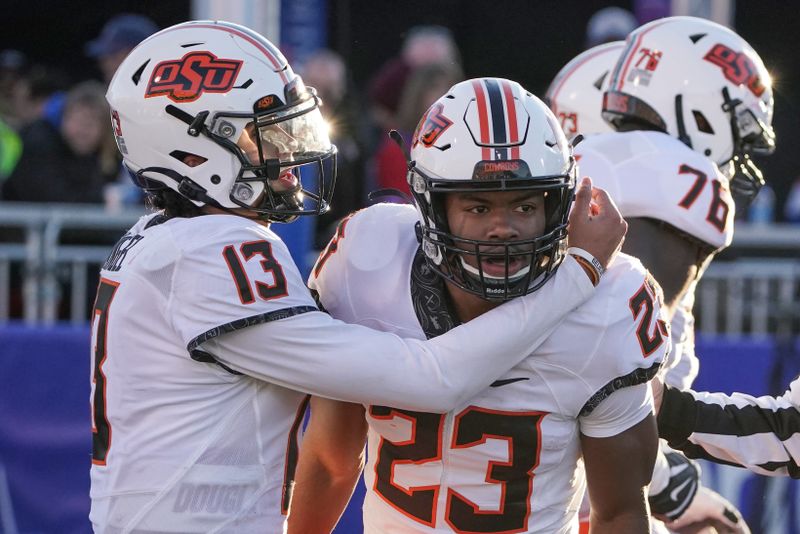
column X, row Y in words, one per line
column 737, row 68
column 185, row 79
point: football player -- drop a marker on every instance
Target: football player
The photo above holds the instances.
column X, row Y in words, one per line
column 205, row 338
column 576, row 93
column 691, row 102
column 491, row 173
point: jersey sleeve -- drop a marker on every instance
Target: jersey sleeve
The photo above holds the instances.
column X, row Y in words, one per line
column 759, row 433
column 622, row 410
column 238, row 275
column 357, row 277
column 636, row 339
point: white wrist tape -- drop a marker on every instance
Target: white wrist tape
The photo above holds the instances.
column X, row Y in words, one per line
column 591, row 260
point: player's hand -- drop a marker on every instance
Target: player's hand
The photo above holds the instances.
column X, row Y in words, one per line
column 709, row 512
column 595, row 223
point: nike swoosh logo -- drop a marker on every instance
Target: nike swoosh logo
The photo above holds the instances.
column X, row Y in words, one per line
column 675, row 469
column 674, row 493
column 507, row 381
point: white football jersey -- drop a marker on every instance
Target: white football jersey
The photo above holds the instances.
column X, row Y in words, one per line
column 651, row 174
column 216, row 461
column 205, row 340
column 506, row 460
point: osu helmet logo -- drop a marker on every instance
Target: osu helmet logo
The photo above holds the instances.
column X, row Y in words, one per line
column 431, row 126
column 736, row 67
column 185, row 79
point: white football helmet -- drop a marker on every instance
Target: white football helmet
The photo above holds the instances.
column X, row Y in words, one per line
column 701, row 83
column 576, row 93
column 490, row 134
column 213, row 111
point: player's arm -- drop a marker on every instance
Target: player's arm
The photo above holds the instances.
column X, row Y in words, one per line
column 308, row 351
column 756, row 433
column 331, row 460
column 619, row 465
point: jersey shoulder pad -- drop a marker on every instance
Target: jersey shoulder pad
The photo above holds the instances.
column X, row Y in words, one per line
column 653, row 175
column 635, row 335
column 232, row 271
column 366, row 264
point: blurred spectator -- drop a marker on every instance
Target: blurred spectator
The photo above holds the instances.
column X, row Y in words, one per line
column 13, row 67
column 10, row 150
column 119, row 36
column 64, row 164
column 424, row 87
column 326, row 71
column 424, row 45
column 609, row 24
column 30, row 93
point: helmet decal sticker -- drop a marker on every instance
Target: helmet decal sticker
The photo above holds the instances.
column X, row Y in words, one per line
column 736, row 67
column 185, row 79
column 432, row 126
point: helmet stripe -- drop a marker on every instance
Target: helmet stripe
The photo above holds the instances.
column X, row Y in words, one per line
column 263, row 47
column 638, row 41
column 497, row 110
column 483, row 118
column 511, row 108
column 628, row 60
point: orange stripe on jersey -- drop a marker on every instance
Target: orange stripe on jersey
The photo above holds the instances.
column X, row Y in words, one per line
column 483, row 116
column 511, row 109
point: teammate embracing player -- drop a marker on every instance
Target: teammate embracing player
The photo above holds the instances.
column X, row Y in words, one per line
column 205, row 337
column 492, row 177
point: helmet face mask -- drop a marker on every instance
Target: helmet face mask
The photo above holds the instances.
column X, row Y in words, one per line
column 531, row 157
column 699, row 82
column 251, row 128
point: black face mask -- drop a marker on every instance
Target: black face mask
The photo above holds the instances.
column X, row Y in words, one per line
column 746, row 180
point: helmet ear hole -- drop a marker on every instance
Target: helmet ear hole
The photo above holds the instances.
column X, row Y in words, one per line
column 702, row 122
column 187, row 158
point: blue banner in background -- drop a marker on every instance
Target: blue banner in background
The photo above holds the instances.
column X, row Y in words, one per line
column 45, row 430
column 304, row 29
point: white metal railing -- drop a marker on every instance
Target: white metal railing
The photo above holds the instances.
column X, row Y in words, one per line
column 30, row 268
column 756, row 294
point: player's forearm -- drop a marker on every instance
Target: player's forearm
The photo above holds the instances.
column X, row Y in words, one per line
column 320, row 497
column 630, row 521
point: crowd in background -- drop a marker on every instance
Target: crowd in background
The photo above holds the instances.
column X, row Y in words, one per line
column 56, row 144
